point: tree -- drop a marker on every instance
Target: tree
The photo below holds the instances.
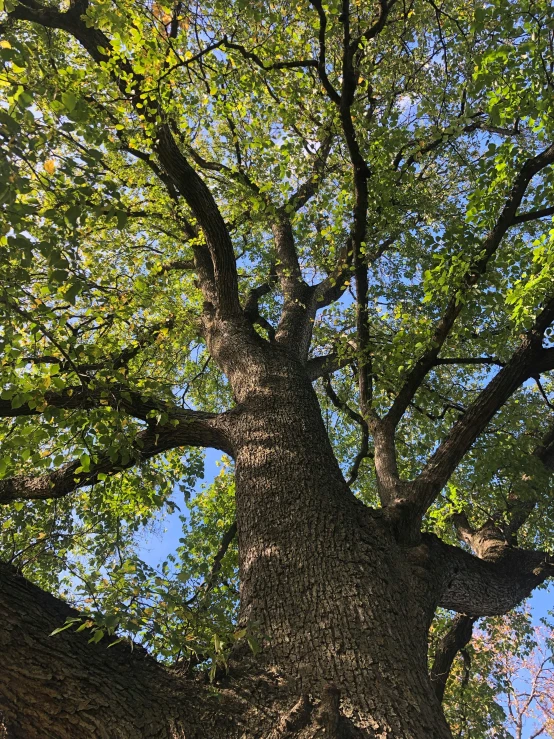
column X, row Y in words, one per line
column 313, row 236
column 529, row 706
column 501, row 684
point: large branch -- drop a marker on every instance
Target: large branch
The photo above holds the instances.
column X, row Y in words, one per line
column 194, row 429
column 326, row 364
column 309, row 188
column 334, row 285
column 375, row 29
column 503, row 525
column 283, row 64
column 473, row 273
column 184, row 178
column 66, row 687
column 66, row 479
column 252, row 307
column 201, row 201
column 533, row 215
column 361, row 174
column 484, row 587
column 322, row 57
column 115, row 396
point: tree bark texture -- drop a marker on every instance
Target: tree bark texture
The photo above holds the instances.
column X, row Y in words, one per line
column 63, row 687
column 323, row 582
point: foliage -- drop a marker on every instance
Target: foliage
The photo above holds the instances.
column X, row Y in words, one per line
column 502, row 683
column 178, row 610
column 98, row 299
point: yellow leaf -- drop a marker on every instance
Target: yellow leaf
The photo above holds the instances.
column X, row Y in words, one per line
column 50, row 166
column 5, row 44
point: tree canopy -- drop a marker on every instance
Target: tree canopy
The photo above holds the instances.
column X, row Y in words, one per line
column 384, row 168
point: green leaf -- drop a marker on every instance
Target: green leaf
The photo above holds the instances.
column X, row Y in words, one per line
column 68, row 624
column 97, row 636
column 85, row 462
column 69, row 100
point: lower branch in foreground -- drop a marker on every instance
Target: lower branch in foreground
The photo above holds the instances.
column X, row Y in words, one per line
column 63, row 686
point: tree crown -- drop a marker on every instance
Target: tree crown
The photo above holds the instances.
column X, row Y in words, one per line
column 366, row 187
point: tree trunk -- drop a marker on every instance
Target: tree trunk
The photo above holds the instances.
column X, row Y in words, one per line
column 336, row 604
column 324, row 586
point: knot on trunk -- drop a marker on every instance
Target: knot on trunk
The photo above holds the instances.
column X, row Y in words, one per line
column 489, row 542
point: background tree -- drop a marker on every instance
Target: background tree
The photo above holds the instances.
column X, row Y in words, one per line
column 313, row 236
column 501, row 683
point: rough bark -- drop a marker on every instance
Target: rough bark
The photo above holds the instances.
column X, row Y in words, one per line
column 323, row 583
column 61, row 686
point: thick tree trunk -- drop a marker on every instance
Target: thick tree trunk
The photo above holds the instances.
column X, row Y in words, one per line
column 324, row 585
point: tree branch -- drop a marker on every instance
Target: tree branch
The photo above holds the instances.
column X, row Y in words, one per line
column 177, row 264
column 121, row 689
column 468, row 360
column 66, row 479
column 473, row 273
column 210, row 581
column 322, row 59
column 309, row 188
column 332, row 287
column 456, row 638
column 533, row 215
column 503, row 526
column 201, row 202
column 364, row 450
column 291, row 64
column 194, row 429
column 295, row 324
column 325, row 365
column 376, row 28
column 113, row 361
column 251, row 306
column 361, row 174
column 485, row 587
